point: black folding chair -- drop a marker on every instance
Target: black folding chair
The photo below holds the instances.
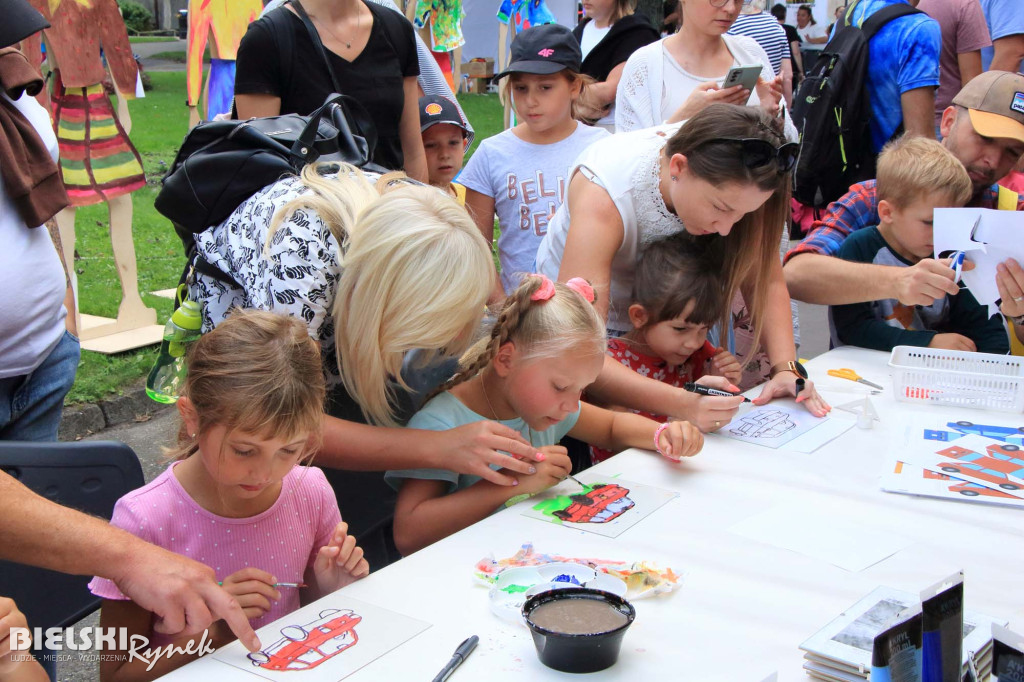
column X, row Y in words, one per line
column 87, row 476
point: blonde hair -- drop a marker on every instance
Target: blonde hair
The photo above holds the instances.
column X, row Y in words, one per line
column 912, row 167
column 257, row 372
column 585, row 99
column 748, row 253
column 417, row 273
column 623, row 8
column 539, row 329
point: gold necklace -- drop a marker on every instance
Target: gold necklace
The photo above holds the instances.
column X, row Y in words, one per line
column 325, row 25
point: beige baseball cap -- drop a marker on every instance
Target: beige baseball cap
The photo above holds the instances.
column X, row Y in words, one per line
column 995, row 102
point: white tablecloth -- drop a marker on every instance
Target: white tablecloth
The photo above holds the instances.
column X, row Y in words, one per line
column 743, row 607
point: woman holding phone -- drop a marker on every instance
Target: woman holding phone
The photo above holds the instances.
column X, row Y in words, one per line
column 674, row 78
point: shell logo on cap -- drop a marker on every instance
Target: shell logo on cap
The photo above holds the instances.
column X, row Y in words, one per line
column 433, row 109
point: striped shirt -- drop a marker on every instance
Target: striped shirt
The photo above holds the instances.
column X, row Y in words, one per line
column 768, row 33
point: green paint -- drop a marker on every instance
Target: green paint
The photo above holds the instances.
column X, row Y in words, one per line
column 561, row 502
column 515, row 589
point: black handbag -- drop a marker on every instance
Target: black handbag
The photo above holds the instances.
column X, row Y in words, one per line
column 223, row 163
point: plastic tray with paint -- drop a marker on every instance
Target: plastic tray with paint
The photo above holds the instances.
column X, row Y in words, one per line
column 513, row 586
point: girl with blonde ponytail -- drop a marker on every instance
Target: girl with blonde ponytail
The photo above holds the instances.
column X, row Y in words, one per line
column 546, row 347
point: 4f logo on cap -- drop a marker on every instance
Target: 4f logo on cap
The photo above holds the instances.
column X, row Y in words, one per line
column 546, row 52
column 1018, row 102
column 432, row 109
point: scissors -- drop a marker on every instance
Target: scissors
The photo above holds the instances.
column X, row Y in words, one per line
column 852, row 376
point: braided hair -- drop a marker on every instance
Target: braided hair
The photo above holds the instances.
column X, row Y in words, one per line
column 539, row 329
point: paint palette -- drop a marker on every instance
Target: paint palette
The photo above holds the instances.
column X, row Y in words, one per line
column 513, row 586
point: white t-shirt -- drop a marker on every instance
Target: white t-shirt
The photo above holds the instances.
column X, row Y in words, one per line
column 627, row 166
column 654, row 85
column 811, row 31
column 592, row 35
column 32, row 308
column 527, row 182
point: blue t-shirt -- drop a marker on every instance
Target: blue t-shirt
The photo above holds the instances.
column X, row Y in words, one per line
column 904, row 55
column 444, row 412
column 1004, row 18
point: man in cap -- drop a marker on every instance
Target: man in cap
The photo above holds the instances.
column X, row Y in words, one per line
column 984, row 129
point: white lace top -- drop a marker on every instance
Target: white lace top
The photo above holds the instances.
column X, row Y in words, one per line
column 654, row 85
column 627, row 167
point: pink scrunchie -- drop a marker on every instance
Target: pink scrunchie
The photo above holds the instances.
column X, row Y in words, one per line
column 582, row 287
column 545, row 291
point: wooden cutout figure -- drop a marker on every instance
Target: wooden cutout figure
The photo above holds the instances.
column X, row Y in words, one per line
column 228, row 20
column 98, row 162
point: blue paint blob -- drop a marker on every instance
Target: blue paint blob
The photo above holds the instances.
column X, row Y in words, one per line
column 566, row 578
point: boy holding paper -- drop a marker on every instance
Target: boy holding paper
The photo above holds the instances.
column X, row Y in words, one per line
column 915, row 176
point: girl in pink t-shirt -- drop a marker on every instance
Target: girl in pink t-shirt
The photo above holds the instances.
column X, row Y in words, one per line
column 676, row 296
column 236, row 497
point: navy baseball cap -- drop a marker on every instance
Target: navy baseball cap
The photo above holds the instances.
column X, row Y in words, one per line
column 544, row 50
column 436, row 109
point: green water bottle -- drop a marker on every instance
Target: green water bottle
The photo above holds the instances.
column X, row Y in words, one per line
column 168, row 374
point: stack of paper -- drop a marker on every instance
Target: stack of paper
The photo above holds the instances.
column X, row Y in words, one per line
column 841, row 651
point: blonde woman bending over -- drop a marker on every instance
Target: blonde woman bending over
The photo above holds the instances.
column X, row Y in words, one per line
column 373, row 276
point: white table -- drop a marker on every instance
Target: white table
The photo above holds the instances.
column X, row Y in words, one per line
column 743, row 607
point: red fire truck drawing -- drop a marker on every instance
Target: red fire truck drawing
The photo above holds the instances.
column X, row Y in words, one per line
column 602, row 503
column 1000, row 460
column 303, row 647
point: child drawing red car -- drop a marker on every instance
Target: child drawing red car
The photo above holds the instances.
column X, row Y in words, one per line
column 303, row 647
column 604, row 502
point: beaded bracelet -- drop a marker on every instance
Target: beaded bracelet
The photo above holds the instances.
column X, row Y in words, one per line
column 657, row 437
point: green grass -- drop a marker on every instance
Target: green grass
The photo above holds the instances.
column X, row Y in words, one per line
column 178, row 56
column 159, row 122
column 152, row 39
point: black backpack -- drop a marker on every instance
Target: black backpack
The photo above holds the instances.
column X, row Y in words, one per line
column 832, row 113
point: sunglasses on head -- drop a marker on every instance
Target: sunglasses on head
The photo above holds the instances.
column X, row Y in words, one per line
column 757, row 152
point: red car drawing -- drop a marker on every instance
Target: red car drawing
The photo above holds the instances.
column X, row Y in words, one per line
column 303, row 647
column 604, row 502
column 1000, row 459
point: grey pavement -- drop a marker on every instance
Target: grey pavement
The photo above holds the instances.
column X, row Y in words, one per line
column 147, row 50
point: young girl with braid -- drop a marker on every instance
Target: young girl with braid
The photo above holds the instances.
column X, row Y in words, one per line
column 546, row 347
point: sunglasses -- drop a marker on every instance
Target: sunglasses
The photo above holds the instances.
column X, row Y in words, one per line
column 757, row 152
column 718, row 4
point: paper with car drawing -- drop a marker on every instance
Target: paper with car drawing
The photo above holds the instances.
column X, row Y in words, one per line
column 605, row 505
column 334, row 637
column 778, row 424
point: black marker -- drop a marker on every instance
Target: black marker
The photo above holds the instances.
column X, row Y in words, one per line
column 460, row 655
column 799, row 385
column 701, row 389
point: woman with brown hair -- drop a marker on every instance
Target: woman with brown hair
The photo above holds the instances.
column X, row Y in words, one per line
column 722, row 178
column 610, row 32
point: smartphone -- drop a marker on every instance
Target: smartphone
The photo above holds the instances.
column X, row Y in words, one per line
column 743, row 75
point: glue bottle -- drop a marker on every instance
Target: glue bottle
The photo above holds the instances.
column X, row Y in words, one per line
column 168, row 374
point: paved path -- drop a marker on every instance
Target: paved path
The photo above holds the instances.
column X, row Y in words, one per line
column 147, row 50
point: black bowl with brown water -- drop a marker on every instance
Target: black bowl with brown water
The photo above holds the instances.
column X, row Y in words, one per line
column 578, row 630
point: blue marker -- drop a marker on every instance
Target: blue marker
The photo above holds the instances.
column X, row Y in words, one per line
column 957, row 263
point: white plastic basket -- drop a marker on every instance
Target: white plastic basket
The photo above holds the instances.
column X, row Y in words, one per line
column 958, row 378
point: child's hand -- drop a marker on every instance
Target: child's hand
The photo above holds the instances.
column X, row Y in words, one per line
column 339, row 563
column 725, row 364
column 18, row 664
column 554, row 468
column 254, row 589
column 680, row 439
column 952, row 342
